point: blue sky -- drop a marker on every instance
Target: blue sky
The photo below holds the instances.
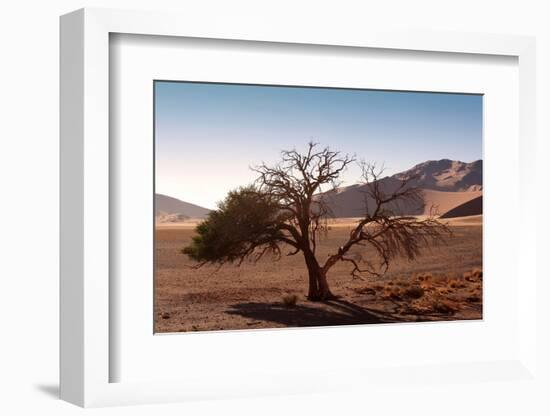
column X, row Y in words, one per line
column 207, row 135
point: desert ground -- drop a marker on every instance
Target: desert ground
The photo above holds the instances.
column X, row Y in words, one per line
column 445, row 283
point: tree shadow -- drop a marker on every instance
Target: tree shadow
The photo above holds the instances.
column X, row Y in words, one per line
column 334, row 312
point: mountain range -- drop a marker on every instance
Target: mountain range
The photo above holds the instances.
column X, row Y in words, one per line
column 453, row 188
column 445, row 185
column 168, row 209
column 446, row 175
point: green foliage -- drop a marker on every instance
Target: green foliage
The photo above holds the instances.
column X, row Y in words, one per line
column 246, row 222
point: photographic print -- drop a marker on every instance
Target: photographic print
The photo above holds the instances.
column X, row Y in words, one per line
column 289, row 206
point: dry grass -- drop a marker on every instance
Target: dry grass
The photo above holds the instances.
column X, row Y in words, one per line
column 425, row 294
column 444, row 284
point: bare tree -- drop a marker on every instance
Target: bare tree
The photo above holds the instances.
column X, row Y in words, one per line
column 288, row 205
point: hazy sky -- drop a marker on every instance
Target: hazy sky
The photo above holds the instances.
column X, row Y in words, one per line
column 207, row 135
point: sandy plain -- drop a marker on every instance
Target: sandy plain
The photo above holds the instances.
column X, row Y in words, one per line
column 445, row 283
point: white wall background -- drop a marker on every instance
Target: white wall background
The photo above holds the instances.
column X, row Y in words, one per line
column 29, row 180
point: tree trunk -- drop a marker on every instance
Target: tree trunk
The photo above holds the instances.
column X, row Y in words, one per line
column 324, row 290
column 318, row 286
column 313, row 291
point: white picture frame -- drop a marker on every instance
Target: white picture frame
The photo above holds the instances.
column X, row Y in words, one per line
column 86, row 356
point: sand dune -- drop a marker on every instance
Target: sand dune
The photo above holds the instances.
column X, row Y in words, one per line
column 472, row 220
column 469, row 208
column 352, row 202
column 168, row 209
column 445, row 184
column 445, row 202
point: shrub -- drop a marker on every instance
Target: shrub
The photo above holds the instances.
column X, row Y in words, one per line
column 456, row 284
column 366, row 291
column 414, row 292
column 290, row 300
column 393, row 294
column 473, row 299
column 424, row 276
column 477, row 273
column 444, row 307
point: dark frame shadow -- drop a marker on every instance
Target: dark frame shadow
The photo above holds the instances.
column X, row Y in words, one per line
column 51, row 390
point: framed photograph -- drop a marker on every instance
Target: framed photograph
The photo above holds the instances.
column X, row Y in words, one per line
column 385, row 242
column 263, row 211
